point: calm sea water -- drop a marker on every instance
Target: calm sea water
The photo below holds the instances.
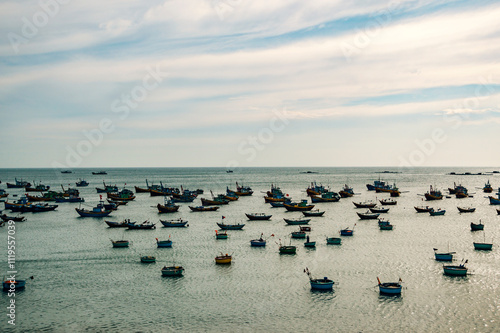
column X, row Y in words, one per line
column 83, row 284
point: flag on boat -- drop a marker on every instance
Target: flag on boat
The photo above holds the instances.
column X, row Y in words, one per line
column 223, row 217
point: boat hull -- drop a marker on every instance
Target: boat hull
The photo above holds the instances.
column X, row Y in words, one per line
column 297, row 222
column 255, row 217
column 172, row 271
column 455, row 270
column 390, row 288
column 203, row 208
column 333, row 240
column 321, row 284
column 288, row 249
column 483, row 246
column 475, row 227
column 13, row 284
column 86, row 213
column 230, row 226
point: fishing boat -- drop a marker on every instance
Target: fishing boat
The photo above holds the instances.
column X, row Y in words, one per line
column 315, row 212
column 214, row 202
column 476, row 226
column 443, row 256
column 46, row 197
column 287, row 249
column 148, row 259
column 221, row 234
column 325, row 197
column 298, row 234
column 388, row 202
column 487, row 187
column 37, row 188
column 164, row 243
column 438, row 212
column 366, row 204
column 69, row 199
column 188, row 196
column 7, row 218
column 141, row 190
column 123, row 195
column 368, row 215
column 278, row 198
column 309, row 243
column 99, row 172
column 66, row 171
column 223, row 259
column 19, row 205
column 117, row 202
column 423, row 209
column 379, row 209
column 172, row 271
column 203, row 208
column 390, row 288
column 455, row 270
column 168, row 207
column 319, row 284
column 12, row 285
column 241, row 191
column 315, row 189
column 120, row 243
column 301, row 206
column 18, row 184
column 258, row 242
column 224, row 226
column 346, row 232
column 123, row 224
column 258, row 216
column 107, row 188
column 177, row 223
column 346, row 192
column 483, row 246
column 277, row 204
column 82, row 183
column 433, row 194
column 297, row 221
column 378, row 184
column 305, row 228
column 466, row 210
column 385, row 226
column 333, row 240
column 97, row 211
column 143, row 226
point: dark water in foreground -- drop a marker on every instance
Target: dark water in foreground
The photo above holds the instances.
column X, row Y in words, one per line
column 83, row 284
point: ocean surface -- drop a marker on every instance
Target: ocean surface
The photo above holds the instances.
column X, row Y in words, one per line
column 82, row 284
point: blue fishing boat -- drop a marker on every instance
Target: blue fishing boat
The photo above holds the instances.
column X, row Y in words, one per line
column 299, row 234
column 120, row 243
column 368, row 215
column 455, row 270
column 221, row 234
column 366, row 204
column 19, row 184
column 148, row 259
column 390, row 288
column 333, row 240
column 98, row 211
column 346, row 192
column 483, row 246
column 224, row 226
column 178, row 223
column 258, row 242
column 347, row 232
column 319, row 284
column 69, row 199
column 443, row 256
column 9, row 285
column 325, row 197
column 476, row 226
column 172, row 271
column 164, row 243
column 297, row 221
column 315, row 212
column 82, row 183
column 438, row 212
column 309, row 243
column 300, row 206
column 258, row 216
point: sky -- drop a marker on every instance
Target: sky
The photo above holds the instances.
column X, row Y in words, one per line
column 239, row 83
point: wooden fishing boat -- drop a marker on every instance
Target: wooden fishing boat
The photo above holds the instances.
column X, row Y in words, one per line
column 214, row 202
column 172, row 271
column 388, row 201
column 224, row 226
column 309, row 243
column 123, row 224
column 278, row 203
column 143, row 226
column 120, row 243
column 102, row 172
column 319, row 284
column 177, row 223
column 487, row 187
column 423, row 209
column 366, row 204
column 37, row 188
column 326, row 197
column 301, row 206
column 287, row 249
column 19, row 205
column 19, row 184
column 117, row 202
column 124, row 195
column 164, row 243
column 455, row 270
column 385, row 226
column 297, row 221
column 443, row 256
column 394, row 193
column 390, row 288
column 258, row 242
column 98, row 211
column 433, row 194
column 277, row 199
column 141, row 190
column 7, row 218
column 368, row 215
column 223, row 259
column 315, row 189
column 305, row 228
column 333, row 240
column 466, row 210
column 476, row 226
column 69, row 199
column 438, row 212
column 241, row 191
column 346, row 192
column 38, row 207
column 203, row 208
column 13, row 285
column 230, row 196
column 148, row 259
column 46, row 197
column 494, row 201
column 66, row 171
column 168, row 207
column 82, row 183
column 107, row 188
column 315, row 212
column 378, row 184
column 483, row 246
column 379, row 210
column 258, row 216
column 221, row 234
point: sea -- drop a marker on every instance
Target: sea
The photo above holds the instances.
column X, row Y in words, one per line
column 82, row 284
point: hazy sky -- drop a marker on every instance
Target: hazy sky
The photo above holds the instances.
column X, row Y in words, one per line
column 249, row 83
